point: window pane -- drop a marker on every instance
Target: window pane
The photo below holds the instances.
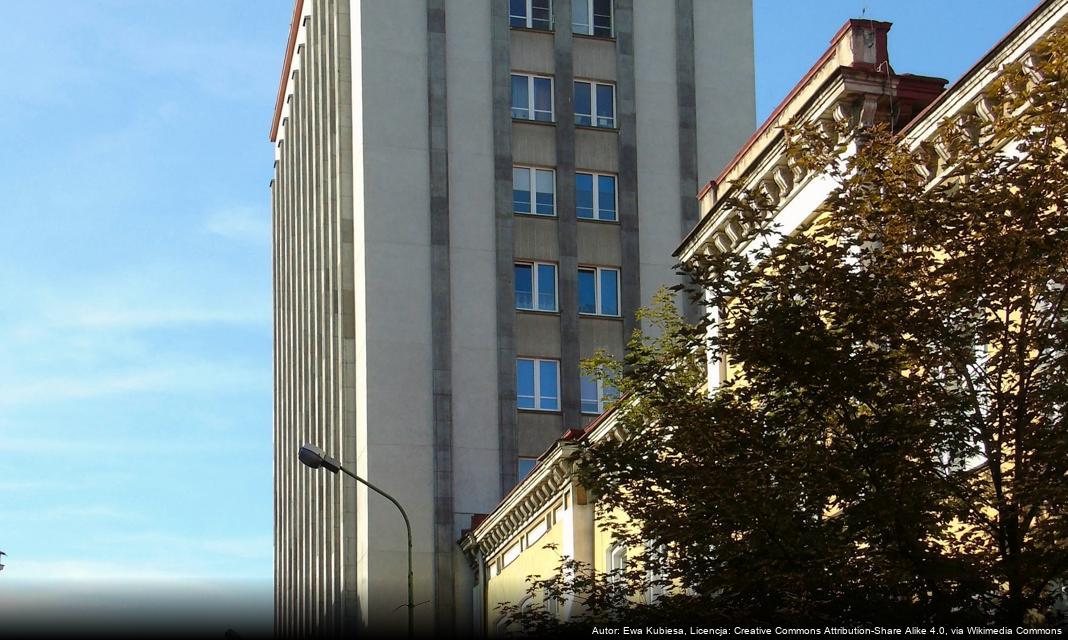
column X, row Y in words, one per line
column 583, row 104
column 550, row 395
column 524, row 286
column 542, row 14
column 520, row 97
column 602, row 18
column 606, row 108
column 518, row 13
column 524, row 384
column 606, row 197
column 589, row 395
column 526, row 465
column 610, row 292
column 545, row 193
column 580, row 16
column 587, row 289
column 546, row 287
column 543, row 99
column 609, row 394
column 520, row 190
column 584, row 195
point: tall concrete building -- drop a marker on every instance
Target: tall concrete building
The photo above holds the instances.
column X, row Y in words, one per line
column 470, row 196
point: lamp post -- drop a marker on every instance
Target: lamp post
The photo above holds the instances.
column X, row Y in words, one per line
column 314, row 457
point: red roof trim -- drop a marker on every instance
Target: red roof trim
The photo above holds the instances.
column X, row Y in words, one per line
column 823, row 59
column 294, row 26
column 982, row 63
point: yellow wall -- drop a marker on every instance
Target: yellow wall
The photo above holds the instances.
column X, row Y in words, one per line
column 510, row 585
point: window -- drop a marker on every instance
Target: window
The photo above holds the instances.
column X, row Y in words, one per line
column 534, row 191
column 511, row 554
column 552, row 605
column 530, row 14
column 616, row 559
column 535, row 286
column 595, row 203
column 595, row 104
column 526, row 465
column 592, row 17
column 596, row 395
column 598, row 291
column 532, row 97
column 657, row 581
column 537, row 384
column 537, row 532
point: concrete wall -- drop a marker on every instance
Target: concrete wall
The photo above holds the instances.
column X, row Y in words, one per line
column 393, row 312
column 311, row 206
column 394, row 241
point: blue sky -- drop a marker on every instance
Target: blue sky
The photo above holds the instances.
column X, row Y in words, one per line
column 135, row 436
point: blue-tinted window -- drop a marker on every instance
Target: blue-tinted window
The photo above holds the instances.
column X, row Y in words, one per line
column 524, row 384
column 520, row 97
column 517, row 13
column 598, row 291
column 520, row 190
column 587, row 290
column 583, row 103
column 543, row 99
column 606, row 197
column 548, row 389
column 595, row 104
column 526, row 465
column 584, row 195
column 546, row 193
column 590, row 395
column 546, row 287
column 534, row 191
column 526, row 14
column 541, row 14
column 602, row 18
column 609, row 292
column 535, row 286
column 580, row 17
column 524, row 286
column 537, row 384
column 599, row 204
column 606, row 105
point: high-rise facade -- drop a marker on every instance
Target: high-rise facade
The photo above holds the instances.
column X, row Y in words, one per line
column 470, row 196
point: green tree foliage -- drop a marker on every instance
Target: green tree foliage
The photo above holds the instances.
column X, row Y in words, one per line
column 891, row 444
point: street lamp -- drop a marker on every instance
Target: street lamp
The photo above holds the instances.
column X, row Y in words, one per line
column 313, row 456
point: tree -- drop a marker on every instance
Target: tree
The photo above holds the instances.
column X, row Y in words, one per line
column 891, row 444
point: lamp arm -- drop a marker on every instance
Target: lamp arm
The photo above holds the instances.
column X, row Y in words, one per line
column 408, row 526
column 385, row 495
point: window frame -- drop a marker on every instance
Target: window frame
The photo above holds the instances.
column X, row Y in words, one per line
column 535, row 289
column 616, row 560
column 593, row 103
column 519, row 466
column 531, row 100
column 597, row 292
column 595, row 183
column 602, row 399
column 590, row 21
column 529, row 17
column 537, row 384
column 532, row 176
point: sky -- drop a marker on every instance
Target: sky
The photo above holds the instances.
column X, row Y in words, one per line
column 135, row 336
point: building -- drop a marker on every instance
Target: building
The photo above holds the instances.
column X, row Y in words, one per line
column 852, row 83
column 469, row 197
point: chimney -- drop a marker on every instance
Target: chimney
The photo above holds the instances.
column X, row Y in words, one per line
column 861, row 44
